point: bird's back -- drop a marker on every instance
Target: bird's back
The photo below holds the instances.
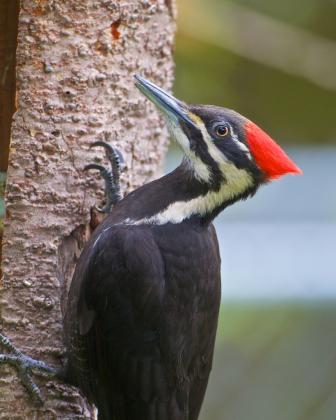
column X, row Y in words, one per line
column 142, row 319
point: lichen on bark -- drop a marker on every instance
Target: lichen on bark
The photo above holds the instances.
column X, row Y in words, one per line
column 75, row 62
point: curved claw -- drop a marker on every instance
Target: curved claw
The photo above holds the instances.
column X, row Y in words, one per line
column 24, row 373
column 112, row 177
column 113, row 154
column 25, row 365
column 31, row 386
column 103, row 171
column 112, row 192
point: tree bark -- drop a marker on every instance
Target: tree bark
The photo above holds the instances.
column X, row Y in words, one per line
column 75, row 61
column 9, row 11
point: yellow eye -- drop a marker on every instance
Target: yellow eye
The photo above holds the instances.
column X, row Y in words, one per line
column 222, row 130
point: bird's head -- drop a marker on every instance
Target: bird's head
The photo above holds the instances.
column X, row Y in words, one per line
column 222, row 146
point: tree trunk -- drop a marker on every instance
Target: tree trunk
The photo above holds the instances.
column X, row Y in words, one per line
column 75, row 61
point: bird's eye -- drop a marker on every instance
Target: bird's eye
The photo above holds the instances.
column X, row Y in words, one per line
column 222, row 130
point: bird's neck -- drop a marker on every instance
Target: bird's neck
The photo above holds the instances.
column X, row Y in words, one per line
column 180, row 196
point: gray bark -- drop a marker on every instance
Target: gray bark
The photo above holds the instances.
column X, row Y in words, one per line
column 75, row 62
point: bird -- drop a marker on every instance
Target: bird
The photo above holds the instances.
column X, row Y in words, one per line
column 143, row 305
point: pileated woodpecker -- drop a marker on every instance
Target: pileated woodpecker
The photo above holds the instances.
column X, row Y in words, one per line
column 143, row 304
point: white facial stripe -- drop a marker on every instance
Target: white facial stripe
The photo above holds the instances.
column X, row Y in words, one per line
column 241, row 145
column 200, row 169
column 215, row 153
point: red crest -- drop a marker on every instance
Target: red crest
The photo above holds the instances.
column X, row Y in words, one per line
column 267, row 154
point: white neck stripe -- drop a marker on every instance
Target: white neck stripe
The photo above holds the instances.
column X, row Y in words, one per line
column 237, row 181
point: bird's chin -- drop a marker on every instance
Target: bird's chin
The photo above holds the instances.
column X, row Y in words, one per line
column 178, row 135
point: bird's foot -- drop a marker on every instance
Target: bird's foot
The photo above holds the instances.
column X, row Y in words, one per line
column 25, row 366
column 112, row 176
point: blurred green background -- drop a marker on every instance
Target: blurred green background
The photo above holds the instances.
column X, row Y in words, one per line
column 274, row 62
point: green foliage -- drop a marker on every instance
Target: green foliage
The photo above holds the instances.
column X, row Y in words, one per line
column 315, row 16
column 291, row 108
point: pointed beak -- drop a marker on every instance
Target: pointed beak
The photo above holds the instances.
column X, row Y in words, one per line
column 171, row 107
